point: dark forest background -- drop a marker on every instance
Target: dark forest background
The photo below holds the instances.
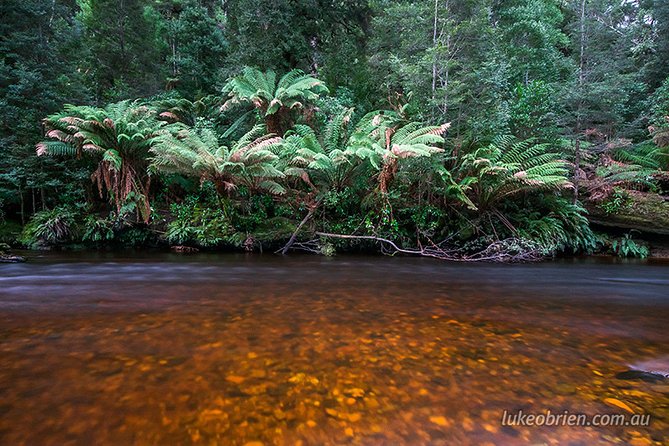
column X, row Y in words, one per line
column 586, row 80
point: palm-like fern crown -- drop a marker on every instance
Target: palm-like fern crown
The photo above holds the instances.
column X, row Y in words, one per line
column 507, row 167
column 627, row 167
column 293, row 90
column 121, row 131
column 384, row 136
column 329, row 162
column 121, row 135
column 183, row 110
column 378, row 137
column 198, row 152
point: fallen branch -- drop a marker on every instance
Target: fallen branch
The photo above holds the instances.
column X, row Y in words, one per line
column 312, row 246
column 506, row 250
column 293, row 237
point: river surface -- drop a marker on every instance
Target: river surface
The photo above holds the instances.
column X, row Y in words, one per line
column 160, row 349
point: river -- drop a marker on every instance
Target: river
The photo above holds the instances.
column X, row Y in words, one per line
column 148, row 349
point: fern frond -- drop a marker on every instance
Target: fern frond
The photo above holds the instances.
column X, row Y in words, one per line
column 56, row 148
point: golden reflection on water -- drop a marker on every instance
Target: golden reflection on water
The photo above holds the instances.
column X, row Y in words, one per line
column 339, row 353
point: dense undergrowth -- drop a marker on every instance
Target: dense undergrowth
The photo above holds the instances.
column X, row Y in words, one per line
column 276, row 164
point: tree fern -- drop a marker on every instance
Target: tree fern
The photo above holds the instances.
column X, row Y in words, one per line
column 332, row 161
column 119, row 136
column 632, row 168
column 507, row 167
column 273, row 100
column 383, row 139
column 178, row 109
column 198, row 152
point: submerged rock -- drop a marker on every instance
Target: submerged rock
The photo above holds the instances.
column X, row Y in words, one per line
column 652, row 370
column 641, row 375
column 182, row 249
column 6, row 257
column 9, row 258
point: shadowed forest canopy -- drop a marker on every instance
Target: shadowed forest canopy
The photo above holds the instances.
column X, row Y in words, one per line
column 456, row 129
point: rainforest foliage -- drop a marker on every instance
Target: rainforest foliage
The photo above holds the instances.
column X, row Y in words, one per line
column 460, row 129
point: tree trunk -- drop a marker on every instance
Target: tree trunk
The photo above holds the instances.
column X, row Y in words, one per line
column 313, row 42
column 434, row 56
column 647, row 212
column 388, row 172
column 306, row 218
column 23, row 207
column 446, row 75
column 273, row 124
column 579, row 110
column 43, row 196
column 122, row 29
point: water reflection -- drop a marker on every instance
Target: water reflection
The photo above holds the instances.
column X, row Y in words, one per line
column 305, row 350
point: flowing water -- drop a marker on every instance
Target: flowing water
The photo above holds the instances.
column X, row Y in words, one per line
column 232, row 349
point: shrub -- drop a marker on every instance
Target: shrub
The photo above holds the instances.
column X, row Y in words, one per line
column 98, row 230
column 564, row 228
column 47, row 228
column 627, row 247
column 197, row 224
column 618, row 200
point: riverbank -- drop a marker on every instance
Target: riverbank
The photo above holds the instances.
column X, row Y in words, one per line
column 609, row 241
column 658, row 253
